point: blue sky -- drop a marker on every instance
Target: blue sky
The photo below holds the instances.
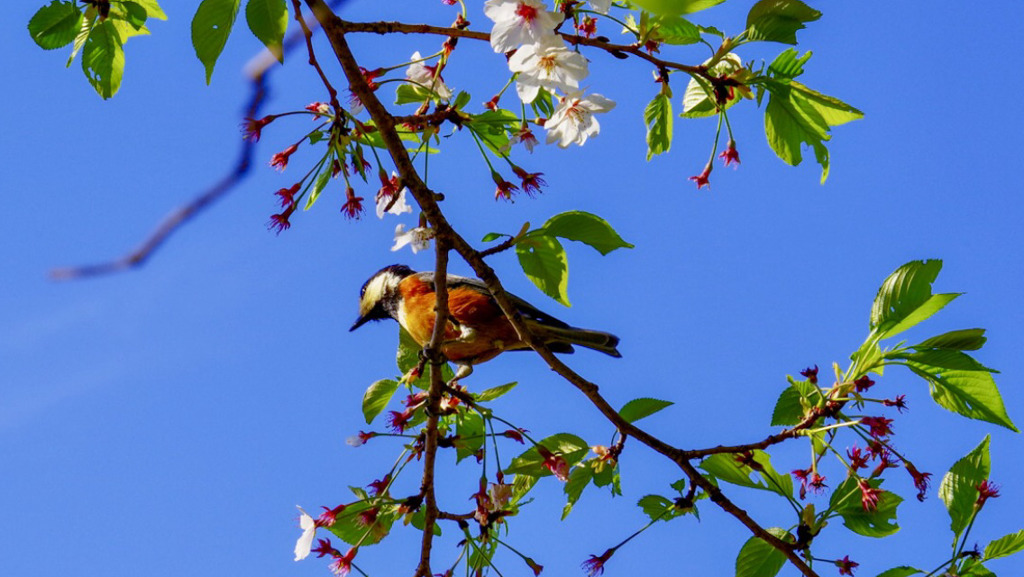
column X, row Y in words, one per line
column 168, row 420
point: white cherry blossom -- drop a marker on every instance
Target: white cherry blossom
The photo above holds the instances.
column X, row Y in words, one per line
column 573, row 120
column 601, row 6
column 400, row 205
column 519, row 22
column 549, row 64
column 417, row 238
column 422, row 75
column 305, row 542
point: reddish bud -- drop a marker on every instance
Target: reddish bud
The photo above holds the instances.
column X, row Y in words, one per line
column 811, row 374
column 280, row 160
column 703, row 179
column 986, row 490
column 846, row 566
column 730, row 154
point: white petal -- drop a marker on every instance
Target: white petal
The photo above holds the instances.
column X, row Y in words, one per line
column 305, row 542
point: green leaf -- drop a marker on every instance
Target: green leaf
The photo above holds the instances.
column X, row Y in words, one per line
column 418, row 520
column 350, row 527
column 409, row 93
column 83, row 33
column 492, row 236
column 659, row 508
column 941, row 359
column 637, row 409
column 675, row 7
column 794, row 402
column 789, row 64
column 727, row 468
column 55, row 25
column 778, row 20
column 796, row 116
column 846, row 501
column 211, row 27
column 676, row 30
column 902, row 571
column 972, row 567
column 152, row 9
column 658, row 119
column 494, row 392
column 268, row 21
column 587, row 228
column 959, row 488
column 103, row 59
column 408, row 356
column 1005, row 546
column 544, row 261
column 961, row 340
column 131, row 12
column 470, row 429
column 493, row 127
column 530, row 462
column 376, row 397
column 905, row 298
column 696, row 102
column 318, row 187
column 461, row 100
column 973, row 394
column 579, row 478
column 759, row 559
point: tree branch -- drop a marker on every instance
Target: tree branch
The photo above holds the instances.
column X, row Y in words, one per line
column 335, row 29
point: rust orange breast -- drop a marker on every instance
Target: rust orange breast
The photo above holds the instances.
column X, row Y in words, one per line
column 482, row 333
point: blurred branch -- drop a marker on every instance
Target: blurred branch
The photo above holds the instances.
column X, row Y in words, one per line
column 258, row 69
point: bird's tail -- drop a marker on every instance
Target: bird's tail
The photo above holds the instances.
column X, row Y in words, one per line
column 596, row 340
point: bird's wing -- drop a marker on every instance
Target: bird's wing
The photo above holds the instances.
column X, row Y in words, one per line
column 526, row 309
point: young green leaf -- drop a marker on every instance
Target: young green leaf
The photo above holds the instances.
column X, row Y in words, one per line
column 211, row 27
column 579, row 478
column 658, row 118
column 675, row 7
column 353, row 528
column 696, row 102
column 961, row 340
column 268, row 21
column 905, row 298
column 778, row 20
column 103, row 59
column 55, row 25
column 587, row 228
column 494, row 392
column 1005, row 546
column 408, row 356
column 83, row 33
column 410, row 93
column 759, row 559
column 796, row 116
column 731, row 469
column 660, row 508
column 794, row 402
column 789, row 64
column 880, row 522
column 959, row 488
column 543, row 260
column 376, row 397
column 643, row 407
column 318, row 187
column 902, row 571
column 152, row 9
column 530, row 462
column 470, row 430
column 131, row 12
column 676, row 30
column 973, row 394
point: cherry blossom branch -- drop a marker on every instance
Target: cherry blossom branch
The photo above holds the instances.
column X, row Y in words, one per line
column 335, row 29
column 437, row 384
column 614, row 49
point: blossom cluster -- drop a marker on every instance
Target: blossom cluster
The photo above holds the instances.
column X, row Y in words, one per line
column 541, row 60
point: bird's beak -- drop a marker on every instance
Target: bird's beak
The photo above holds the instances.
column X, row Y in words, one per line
column 359, row 322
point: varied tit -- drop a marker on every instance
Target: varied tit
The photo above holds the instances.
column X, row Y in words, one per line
column 477, row 330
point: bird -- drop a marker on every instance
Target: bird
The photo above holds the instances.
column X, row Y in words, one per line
column 477, row 330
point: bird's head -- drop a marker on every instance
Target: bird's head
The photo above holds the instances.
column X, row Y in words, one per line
column 378, row 299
